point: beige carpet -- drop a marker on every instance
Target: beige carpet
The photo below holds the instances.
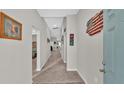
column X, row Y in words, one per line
column 54, row 72
column 34, row 66
column 34, row 72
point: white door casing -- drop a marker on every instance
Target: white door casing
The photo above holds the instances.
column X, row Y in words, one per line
column 37, row 33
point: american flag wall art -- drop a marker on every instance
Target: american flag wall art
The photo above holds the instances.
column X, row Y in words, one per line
column 95, row 24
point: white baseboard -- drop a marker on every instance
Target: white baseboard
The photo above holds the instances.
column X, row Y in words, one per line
column 65, row 61
column 82, row 77
column 45, row 62
column 38, row 69
column 71, row 69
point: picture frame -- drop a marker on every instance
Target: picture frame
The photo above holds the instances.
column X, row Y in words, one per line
column 71, row 39
column 10, row 28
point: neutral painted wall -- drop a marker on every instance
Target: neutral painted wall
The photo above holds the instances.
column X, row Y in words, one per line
column 71, row 50
column 90, row 49
column 63, row 45
column 65, row 41
column 16, row 56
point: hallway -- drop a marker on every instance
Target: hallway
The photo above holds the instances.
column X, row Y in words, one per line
column 54, row 72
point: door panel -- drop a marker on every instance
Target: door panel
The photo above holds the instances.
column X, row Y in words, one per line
column 113, row 46
column 120, row 53
column 108, row 45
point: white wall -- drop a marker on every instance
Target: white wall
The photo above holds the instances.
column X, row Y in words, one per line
column 64, row 45
column 48, row 44
column 90, row 49
column 62, row 49
column 16, row 56
column 71, row 50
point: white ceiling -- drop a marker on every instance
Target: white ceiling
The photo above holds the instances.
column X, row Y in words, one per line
column 57, row 12
column 54, row 18
column 52, row 23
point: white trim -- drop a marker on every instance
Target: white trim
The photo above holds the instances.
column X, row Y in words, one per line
column 84, row 79
column 37, row 33
column 41, row 66
column 38, row 69
column 38, row 52
column 34, row 31
column 46, row 61
column 65, row 61
column 71, row 69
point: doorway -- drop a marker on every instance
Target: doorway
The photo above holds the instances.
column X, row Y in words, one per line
column 35, row 51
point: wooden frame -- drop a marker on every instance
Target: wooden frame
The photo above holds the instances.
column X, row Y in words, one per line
column 10, row 28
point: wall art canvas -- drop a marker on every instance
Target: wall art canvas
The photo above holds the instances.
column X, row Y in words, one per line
column 10, row 28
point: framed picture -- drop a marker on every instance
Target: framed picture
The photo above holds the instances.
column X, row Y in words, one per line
column 71, row 39
column 10, row 28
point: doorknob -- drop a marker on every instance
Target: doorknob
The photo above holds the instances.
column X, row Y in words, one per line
column 102, row 70
column 103, row 63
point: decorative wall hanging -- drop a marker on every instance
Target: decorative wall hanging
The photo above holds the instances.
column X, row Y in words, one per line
column 71, row 39
column 95, row 24
column 10, row 28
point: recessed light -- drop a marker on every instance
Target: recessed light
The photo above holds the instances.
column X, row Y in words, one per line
column 54, row 25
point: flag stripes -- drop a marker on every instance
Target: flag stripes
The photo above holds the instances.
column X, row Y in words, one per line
column 95, row 24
